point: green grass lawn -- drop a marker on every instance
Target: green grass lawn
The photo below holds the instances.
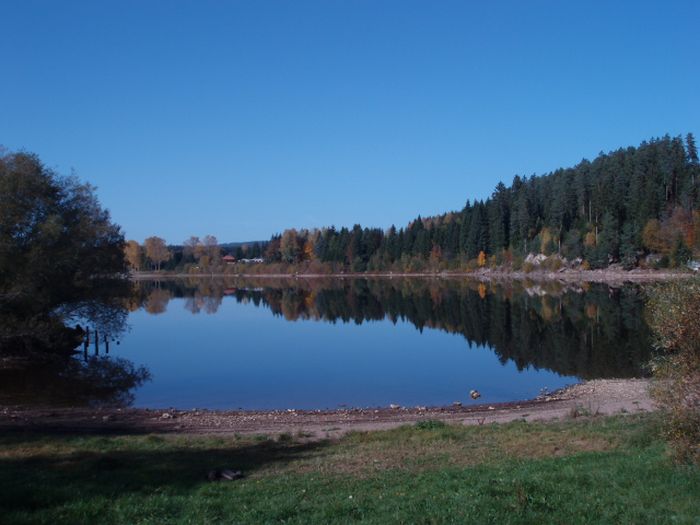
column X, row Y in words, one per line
column 599, row 470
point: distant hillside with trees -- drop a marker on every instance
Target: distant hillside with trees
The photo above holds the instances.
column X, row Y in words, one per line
column 636, row 206
column 633, row 207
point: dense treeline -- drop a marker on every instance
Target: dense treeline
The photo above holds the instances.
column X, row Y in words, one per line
column 600, row 333
column 633, row 206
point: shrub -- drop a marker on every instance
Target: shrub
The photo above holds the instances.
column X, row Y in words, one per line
column 470, row 265
column 681, row 254
column 674, row 315
column 517, row 262
column 552, row 263
column 430, row 424
column 662, row 263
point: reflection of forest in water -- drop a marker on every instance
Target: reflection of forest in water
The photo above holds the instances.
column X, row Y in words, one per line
column 587, row 330
column 54, row 353
column 95, row 380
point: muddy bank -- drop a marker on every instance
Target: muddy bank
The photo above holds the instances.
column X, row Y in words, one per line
column 597, row 397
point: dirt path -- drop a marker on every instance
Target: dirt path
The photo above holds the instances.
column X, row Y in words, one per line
column 598, row 397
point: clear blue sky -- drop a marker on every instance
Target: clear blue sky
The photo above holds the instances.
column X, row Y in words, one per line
column 241, row 119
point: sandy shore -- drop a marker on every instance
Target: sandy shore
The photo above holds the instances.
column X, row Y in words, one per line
column 597, row 397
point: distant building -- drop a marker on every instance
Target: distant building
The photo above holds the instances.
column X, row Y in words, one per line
column 228, row 259
column 254, row 260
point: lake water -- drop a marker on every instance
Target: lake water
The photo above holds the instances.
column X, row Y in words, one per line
column 328, row 343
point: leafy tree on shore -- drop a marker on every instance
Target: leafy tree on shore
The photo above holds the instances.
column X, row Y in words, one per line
column 156, row 251
column 211, row 246
column 133, row 254
column 192, row 249
column 61, row 257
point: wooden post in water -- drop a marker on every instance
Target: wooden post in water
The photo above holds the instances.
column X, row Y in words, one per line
column 86, row 342
column 97, row 343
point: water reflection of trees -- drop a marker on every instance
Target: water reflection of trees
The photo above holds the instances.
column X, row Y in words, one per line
column 200, row 295
column 157, row 301
column 71, row 382
column 31, row 331
column 44, row 355
column 587, row 331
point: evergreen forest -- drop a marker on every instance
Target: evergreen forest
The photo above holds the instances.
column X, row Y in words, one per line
column 636, row 206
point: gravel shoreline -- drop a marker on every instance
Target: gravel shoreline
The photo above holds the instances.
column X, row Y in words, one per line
column 590, row 398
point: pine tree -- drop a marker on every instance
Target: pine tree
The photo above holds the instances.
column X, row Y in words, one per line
column 630, row 245
column 681, row 254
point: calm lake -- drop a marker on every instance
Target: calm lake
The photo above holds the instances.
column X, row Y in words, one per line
column 328, row 343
